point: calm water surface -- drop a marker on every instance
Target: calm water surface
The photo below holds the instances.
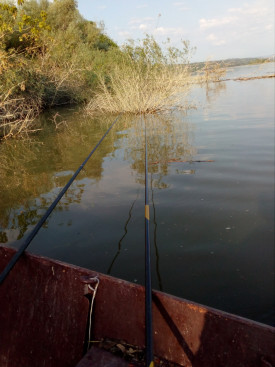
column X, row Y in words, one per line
column 212, row 223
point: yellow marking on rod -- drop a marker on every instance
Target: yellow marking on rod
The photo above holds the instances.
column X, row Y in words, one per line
column 152, row 364
column 147, row 216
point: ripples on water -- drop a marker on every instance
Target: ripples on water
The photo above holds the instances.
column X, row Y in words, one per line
column 212, row 223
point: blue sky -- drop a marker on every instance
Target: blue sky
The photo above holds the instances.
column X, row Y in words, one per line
column 219, row 29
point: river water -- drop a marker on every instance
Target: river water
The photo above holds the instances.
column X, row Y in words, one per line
column 211, row 176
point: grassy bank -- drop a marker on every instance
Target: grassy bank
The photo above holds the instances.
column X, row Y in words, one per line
column 50, row 55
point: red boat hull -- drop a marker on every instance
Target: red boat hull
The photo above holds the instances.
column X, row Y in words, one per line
column 44, row 313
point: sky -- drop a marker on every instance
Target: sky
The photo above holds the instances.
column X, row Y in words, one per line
column 219, row 29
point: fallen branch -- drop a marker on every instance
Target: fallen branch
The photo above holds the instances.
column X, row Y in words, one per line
column 247, row 78
column 174, row 160
column 254, row 77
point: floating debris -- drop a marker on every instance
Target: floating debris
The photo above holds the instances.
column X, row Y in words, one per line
column 241, row 79
column 174, row 160
column 132, row 354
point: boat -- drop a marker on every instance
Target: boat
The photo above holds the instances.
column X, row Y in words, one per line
column 51, row 312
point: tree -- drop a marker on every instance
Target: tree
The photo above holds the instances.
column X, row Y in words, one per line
column 22, row 26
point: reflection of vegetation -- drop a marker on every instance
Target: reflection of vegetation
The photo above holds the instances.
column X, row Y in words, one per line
column 168, row 137
column 19, row 220
column 31, row 169
column 213, row 90
column 3, row 237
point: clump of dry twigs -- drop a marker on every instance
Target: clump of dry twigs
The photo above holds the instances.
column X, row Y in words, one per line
column 212, row 72
column 17, row 116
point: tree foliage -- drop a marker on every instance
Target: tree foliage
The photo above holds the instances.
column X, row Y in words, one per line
column 49, row 55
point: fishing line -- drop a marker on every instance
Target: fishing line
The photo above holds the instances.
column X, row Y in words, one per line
column 33, row 233
column 124, row 235
column 155, row 236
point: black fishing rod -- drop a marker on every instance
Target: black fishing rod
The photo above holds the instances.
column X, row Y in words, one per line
column 148, row 280
column 33, row 233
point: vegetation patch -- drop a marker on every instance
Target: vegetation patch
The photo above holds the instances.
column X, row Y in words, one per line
column 50, row 56
column 148, row 79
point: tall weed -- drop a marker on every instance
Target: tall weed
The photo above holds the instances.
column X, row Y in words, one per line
column 145, row 80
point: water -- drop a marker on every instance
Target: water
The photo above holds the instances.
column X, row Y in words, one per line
column 212, row 222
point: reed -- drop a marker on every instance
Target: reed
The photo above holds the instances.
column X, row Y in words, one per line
column 212, row 72
column 146, row 80
column 133, row 90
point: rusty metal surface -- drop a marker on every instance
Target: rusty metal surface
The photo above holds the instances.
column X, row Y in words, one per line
column 201, row 336
column 44, row 312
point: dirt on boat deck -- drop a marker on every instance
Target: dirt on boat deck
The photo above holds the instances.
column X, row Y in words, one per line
column 132, row 355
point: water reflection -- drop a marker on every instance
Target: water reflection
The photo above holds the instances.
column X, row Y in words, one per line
column 157, row 256
column 124, row 235
column 33, row 170
column 169, row 138
column 214, row 90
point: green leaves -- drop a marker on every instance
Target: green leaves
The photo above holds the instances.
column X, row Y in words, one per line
column 16, row 22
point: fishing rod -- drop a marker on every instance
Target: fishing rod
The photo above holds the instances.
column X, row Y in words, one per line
column 148, row 280
column 33, row 233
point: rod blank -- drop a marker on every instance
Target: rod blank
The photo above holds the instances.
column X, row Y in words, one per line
column 148, row 279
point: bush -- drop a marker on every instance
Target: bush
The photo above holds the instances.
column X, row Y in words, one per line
column 145, row 79
column 48, row 57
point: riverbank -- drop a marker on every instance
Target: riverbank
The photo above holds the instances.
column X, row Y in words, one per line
column 51, row 56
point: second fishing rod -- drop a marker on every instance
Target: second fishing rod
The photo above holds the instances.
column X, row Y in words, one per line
column 148, row 278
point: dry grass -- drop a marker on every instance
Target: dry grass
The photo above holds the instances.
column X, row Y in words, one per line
column 212, row 72
column 17, row 109
column 137, row 88
column 17, row 116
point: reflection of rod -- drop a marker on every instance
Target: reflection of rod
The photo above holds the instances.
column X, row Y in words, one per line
column 33, row 233
column 125, row 233
column 148, row 280
column 155, row 236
